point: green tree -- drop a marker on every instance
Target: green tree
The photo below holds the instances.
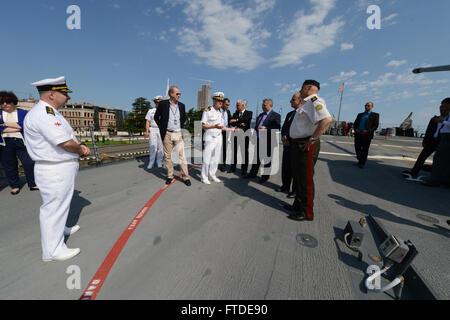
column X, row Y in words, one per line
column 191, row 117
column 129, row 124
column 137, row 117
column 112, row 129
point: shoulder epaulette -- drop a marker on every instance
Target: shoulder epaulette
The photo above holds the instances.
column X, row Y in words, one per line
column 50, row 111
column 314, row 99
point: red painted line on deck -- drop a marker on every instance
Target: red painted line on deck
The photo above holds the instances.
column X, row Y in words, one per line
column 95, row 285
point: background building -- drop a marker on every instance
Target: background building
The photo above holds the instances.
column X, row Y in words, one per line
column 203, row 97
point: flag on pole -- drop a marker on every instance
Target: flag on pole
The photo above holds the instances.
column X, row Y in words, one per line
column 341, row 88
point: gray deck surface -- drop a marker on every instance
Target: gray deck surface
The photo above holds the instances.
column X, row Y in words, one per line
column 229, row 240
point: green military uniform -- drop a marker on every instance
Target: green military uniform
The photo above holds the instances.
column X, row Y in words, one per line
column 303, row 126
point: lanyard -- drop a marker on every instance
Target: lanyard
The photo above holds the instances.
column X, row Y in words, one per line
column 176, row 111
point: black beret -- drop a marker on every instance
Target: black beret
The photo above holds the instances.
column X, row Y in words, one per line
column 312, row 83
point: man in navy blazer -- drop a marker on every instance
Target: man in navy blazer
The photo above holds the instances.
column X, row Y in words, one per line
column 241, row 119
column 268, row 120
column 170, row 118
column 286, row 172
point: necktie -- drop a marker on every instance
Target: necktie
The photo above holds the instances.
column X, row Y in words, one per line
column 260, row 120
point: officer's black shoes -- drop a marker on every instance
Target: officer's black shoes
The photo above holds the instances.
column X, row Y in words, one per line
column 264, row 179
column 169, row 181
column 291, row 195
column 250, row 176
column 34, row 189
column 281, row 189
column 187, row 182
column 222, row 168
column 290, row 208
column 409, row 174
column 231, row 170
column 360, row 165
column 299, row 217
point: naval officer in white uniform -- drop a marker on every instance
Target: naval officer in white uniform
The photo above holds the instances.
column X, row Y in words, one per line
column 212, row 123
column 152, row 132
column 51, row 143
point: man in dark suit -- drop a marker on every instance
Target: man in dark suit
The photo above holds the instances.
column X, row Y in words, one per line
column 430, row 143
column 365, row 125
column 241, row 119
column 266, row 122
column 171, row 117
column 226, row 116
column 286, row 171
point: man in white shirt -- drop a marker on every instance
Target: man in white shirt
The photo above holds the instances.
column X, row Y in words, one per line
column 52, row 144
column 312, row 119
column 152, row 132
column 212, row 123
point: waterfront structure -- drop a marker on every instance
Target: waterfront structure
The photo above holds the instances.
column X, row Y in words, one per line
column 203, row 97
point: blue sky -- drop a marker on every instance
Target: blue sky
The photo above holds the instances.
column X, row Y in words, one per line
column 252, row 50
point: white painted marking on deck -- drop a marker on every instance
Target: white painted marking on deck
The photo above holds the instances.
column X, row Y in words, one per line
column 373, row 157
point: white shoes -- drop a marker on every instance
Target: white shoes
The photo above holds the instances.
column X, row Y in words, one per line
column 71, row 231
column 70, row 253
column 215, row 179
column 206, row 181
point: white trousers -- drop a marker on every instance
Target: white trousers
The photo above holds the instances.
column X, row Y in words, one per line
column 211, row 156
column 156, row 147
column 56, row 183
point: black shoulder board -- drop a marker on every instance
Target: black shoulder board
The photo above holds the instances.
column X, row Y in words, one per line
column 314, row 99
column 208, row 109
column 50, row 111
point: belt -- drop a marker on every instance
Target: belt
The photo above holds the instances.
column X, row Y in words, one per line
column 12, row 138
column 55, row 162
column 301, row 139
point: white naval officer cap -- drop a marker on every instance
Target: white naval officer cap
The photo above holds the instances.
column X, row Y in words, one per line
column 57, row 84
column 158, row 99
column 220, row 96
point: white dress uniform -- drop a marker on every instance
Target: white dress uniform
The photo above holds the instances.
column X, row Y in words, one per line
column 155, row 142
column 313, row 110
column 213, row 144
column 55, row 171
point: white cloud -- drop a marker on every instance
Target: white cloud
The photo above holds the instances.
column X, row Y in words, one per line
column 388, row 54
column 344, row 76
column 347, row 46
column 308, row 29
column 365, row 73
column 390, row 17
column 159, row 11
column 223, row 36
column 389, row 20
column 396, row 63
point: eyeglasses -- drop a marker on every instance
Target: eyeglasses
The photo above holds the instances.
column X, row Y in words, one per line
column 178, row 94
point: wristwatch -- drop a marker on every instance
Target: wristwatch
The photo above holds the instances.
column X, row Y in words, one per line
column 312, row 139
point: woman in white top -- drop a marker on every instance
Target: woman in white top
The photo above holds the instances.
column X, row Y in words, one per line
column 13, row 146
